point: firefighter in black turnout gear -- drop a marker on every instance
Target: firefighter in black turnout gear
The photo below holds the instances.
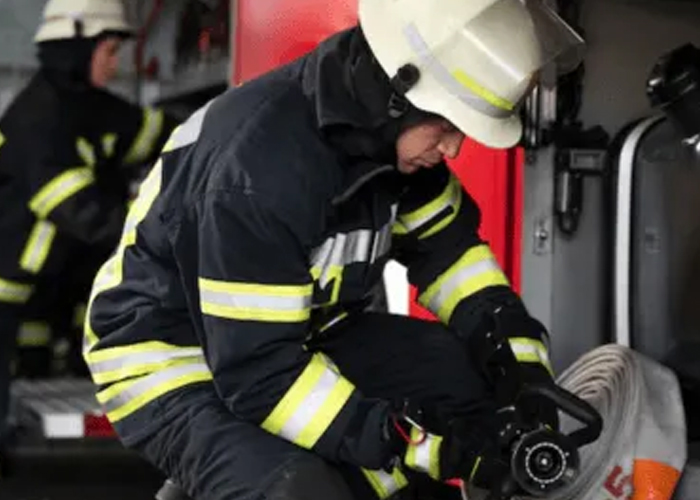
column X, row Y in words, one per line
column 68, row 152
column 229, row 333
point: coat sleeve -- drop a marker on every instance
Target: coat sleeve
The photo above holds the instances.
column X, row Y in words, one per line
column 145, row 132
column 64, row 191
column 255, row 291
column 436, row 236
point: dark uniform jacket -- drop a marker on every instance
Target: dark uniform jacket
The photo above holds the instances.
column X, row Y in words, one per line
column 271, row 214
column 65, row 155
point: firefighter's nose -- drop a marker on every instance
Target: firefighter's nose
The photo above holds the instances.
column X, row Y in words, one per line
column 450, row 144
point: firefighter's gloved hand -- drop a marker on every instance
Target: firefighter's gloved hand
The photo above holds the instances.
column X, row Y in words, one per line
column 528, row 339
column 492, row 469
column 490, row 473
column 451, row 454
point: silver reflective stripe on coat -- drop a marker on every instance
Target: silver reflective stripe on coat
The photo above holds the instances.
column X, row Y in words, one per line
column 38, row 246
column 255, row 301
column 425, row 456
column 340, row 251
column 59, row 189
column 14, row 293
column 382, row 242
column 311, row 404
column 473, row 272
column 188, row 133
column 527, row 350
column 136, row 363
column 34, row 334
column 385, row 484
column 343, row 249
column 122, row 399
column 240, row 301
column 463, row 275
column 450, row 197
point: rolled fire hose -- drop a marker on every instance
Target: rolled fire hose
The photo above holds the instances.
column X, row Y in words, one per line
column 642, row 449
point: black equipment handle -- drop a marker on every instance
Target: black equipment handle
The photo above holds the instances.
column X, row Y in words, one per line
column 574, row 406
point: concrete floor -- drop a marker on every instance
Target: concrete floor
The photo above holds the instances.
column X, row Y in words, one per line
column 78, row 492
column 69, row 473
column 689, row 487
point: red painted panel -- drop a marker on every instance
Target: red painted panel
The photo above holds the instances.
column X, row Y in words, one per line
column 273, row 32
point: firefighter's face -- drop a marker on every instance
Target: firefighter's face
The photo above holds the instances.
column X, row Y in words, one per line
column 427, row 144
column 105, row 61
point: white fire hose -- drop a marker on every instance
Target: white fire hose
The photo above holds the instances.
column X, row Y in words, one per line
column 642, row 449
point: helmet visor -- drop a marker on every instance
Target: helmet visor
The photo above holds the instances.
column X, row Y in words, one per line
column 514, row 39
column 493, row 61
column 559, row 42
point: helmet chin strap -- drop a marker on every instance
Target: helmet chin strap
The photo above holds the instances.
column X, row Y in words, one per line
column 404, row 80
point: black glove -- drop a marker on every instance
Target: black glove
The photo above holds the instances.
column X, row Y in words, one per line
column 443, row 451
column 529, row 341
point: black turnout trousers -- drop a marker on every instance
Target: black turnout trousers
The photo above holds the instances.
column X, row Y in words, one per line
column 213, row 456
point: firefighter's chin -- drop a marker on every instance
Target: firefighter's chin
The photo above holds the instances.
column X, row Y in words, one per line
column 408, row 168
column 412, row 166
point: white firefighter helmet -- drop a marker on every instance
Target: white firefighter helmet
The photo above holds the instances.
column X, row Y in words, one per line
column 64, row 19
column 477, row 59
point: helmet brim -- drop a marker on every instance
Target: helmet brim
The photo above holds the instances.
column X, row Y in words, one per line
column 498, row 133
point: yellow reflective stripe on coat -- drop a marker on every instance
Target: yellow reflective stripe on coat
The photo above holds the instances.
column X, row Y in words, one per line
column 59, row 189
column 451, row 197
column 476, row 270
column 255, row 302
column 14, row 293
column 38, row 246
column 311, row 404
column 79, row 315
column 527, row 350
column 114, row 364
column 86, row 151
column 425, row 456
column 122, row 399
column 34, row 334
column 109, row 143
column 2, row 139
column 145, row 141
column 110, row 274
column 385, row 484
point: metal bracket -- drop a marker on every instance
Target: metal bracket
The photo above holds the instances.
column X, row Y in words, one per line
column 542, row 236
column 571, row 166
column 582, row 161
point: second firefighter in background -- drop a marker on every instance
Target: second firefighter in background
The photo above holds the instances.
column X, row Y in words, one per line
column 68, row 151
